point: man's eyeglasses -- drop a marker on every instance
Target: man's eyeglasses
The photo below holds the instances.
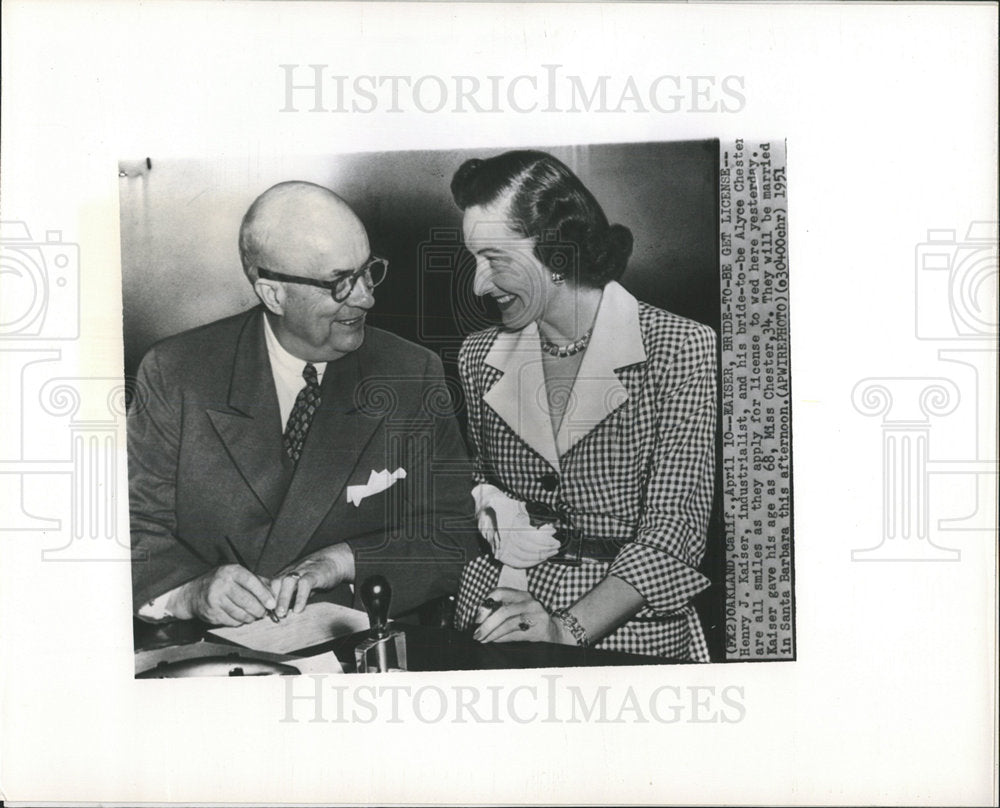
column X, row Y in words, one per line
column 342, row 283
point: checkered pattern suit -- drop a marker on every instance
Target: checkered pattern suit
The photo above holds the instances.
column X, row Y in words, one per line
column 642, row 477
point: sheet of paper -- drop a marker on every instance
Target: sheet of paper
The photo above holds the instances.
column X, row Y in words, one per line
column 317, row 623
column 326, row 662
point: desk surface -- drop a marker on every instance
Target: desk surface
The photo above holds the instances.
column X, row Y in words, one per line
column 428, row 649
column 442, row 649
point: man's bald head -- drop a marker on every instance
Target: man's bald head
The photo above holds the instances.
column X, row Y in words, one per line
column 305, row 231
column 300, row 228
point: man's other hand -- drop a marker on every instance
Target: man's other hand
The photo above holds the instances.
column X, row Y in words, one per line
column 230, row 595
column 323, row 569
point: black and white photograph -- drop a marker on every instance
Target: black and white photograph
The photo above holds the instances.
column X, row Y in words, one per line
column 449, row 403
column 514, row 461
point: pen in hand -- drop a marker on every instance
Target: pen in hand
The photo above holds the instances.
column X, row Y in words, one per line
column 239, row 560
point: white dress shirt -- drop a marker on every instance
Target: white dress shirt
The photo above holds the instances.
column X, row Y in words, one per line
column 287, row 371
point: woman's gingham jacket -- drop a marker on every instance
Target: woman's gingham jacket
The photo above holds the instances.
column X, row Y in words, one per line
column 633, row 461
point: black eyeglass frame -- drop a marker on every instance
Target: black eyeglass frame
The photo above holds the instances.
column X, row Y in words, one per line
column 351, row 275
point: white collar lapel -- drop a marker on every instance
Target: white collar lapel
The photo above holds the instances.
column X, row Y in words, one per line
column 616, row 342
column 518, row 396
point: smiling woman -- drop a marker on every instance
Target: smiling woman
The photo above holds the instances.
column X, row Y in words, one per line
column 506, row 266
column 592, row 423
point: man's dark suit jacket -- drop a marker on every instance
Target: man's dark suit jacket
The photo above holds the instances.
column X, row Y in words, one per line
column 206, row 463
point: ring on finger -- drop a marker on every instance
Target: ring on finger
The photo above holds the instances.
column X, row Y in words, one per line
column 491, row 604
column 525, row 622
column 296, row 575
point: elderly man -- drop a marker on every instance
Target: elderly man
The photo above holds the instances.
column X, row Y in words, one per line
column 291, row 450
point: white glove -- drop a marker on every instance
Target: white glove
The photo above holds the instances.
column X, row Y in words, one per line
column 506, row 526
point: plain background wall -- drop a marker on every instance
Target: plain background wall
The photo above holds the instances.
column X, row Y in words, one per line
column 181, row 268
column 179, row 224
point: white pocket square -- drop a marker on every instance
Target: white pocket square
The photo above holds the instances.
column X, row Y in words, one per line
column 378, row 481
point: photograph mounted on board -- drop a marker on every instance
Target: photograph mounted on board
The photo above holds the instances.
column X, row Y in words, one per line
column 447, row 410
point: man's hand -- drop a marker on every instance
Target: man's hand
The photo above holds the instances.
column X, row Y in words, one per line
column 230, row 595
column 324, row 569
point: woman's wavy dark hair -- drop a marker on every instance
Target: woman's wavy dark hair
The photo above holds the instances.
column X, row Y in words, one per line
column 550, row 204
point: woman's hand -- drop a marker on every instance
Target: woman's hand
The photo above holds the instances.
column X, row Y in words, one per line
column 505, row 525
column 518, row 617
column 525, row 547
column 507, row 528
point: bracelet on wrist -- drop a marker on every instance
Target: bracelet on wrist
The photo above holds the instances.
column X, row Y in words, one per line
column 568, row 619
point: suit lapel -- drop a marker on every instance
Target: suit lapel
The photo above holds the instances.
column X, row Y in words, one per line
column 616, row 342
column 518, row 395
column 251, row 427
column 337, row 437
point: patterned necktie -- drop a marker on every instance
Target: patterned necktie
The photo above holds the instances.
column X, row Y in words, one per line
column 306, row 403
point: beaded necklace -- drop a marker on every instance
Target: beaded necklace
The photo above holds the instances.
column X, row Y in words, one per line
column 562, row 351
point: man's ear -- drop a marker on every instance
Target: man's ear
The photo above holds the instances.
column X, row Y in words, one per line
column 271, row 294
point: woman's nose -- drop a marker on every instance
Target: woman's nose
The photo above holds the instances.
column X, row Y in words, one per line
column 482, row 283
